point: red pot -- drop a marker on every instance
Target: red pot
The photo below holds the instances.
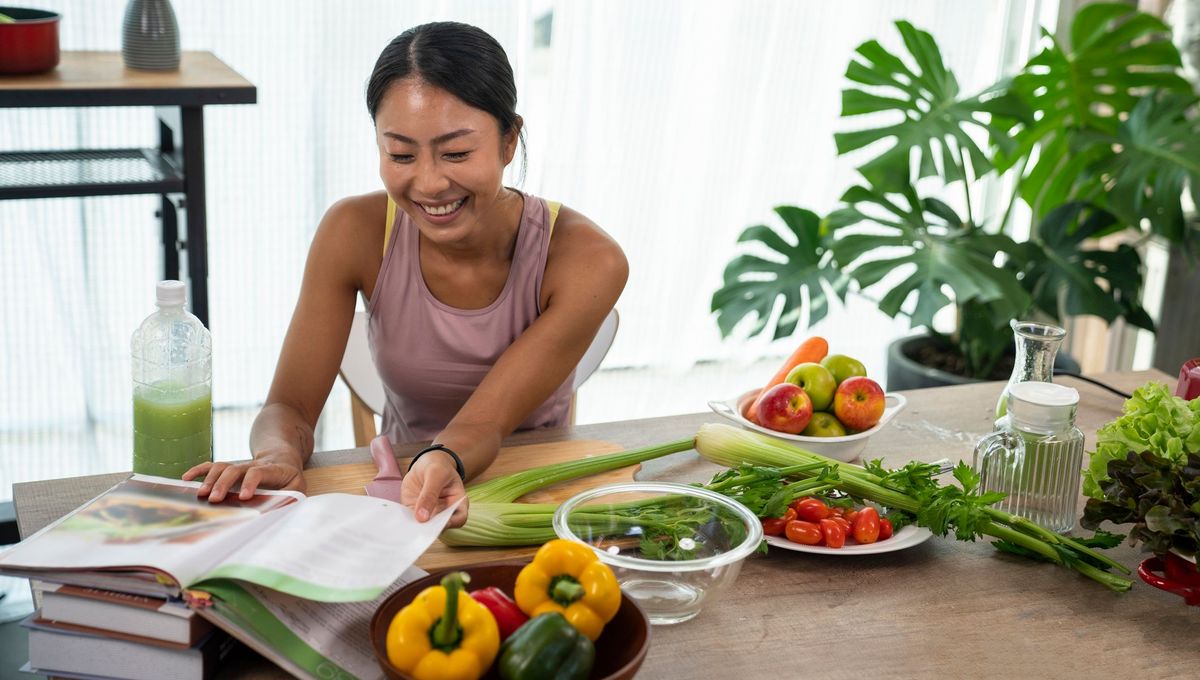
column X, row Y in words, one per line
column 31, row 44
column 1179, row 576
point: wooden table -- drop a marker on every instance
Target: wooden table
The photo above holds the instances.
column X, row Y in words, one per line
column 174, row 170
column 941, row 609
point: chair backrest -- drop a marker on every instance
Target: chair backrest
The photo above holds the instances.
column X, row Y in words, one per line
column 358, row 369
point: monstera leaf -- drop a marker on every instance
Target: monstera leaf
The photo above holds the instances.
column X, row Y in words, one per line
column 932, row 118
column 795, row 265
column 1157, row 154
column 1069, row 280
column 929, row 240
column 1117, row 55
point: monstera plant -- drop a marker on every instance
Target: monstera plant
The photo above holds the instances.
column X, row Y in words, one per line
column 1096, row 138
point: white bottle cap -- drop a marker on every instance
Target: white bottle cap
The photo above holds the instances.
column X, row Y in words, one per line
column 1043, row 406
column 170, row 293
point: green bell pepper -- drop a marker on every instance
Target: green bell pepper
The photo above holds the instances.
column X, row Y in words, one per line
column 547, row 648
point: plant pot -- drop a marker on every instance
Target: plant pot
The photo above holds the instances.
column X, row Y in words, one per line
column 904, row 372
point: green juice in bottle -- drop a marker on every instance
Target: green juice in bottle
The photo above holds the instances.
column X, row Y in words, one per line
column 172, row 429
column 172, row 388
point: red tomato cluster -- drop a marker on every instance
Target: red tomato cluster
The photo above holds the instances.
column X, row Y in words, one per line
column 810, row 521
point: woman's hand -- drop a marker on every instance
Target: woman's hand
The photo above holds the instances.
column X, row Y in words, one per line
column 432, row 485
column 270, row 471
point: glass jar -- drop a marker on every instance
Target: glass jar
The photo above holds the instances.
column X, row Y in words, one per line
column 1036, row 455
column 1037, row 343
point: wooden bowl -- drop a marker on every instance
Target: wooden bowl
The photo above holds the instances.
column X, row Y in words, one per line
column 620, row 649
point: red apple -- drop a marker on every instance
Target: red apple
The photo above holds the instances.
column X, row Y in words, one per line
column 858, row 403
column 785, row 408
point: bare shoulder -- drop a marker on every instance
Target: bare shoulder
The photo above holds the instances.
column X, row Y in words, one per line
column 359, row 216
column 575, row 236
column 349, row 239
column 583, row 254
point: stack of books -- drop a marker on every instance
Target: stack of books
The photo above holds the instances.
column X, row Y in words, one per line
column 88, row 632
column 146, row 581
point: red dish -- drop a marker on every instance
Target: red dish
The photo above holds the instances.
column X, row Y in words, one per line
column 30, row 44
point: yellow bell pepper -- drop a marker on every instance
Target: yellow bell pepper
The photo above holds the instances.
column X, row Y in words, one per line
column 567, row 577
column 443, row 634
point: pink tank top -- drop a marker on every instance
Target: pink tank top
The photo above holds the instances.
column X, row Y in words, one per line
column 431, row 356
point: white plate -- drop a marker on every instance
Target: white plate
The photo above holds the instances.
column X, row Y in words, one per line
column 905, row 538
column 844, row 449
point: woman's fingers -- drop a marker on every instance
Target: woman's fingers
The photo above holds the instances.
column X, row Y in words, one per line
column 459, row 517
column 196, row 471
column 432, row 482
column 228, row 477
column 211, row 473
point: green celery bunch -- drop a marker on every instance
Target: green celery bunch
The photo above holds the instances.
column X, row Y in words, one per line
column 914, row 490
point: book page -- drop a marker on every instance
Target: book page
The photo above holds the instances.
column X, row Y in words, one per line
column 149, row 522
column 324, row 639
column 334, row 548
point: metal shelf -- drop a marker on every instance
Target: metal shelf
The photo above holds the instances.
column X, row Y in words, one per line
column 108, row 172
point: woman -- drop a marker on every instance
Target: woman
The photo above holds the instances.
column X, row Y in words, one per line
column 481, row 299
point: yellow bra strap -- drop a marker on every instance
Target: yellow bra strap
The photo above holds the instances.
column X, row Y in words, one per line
column 387, row 229
column 554, row 207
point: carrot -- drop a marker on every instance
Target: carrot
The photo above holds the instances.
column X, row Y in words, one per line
column 811, row 350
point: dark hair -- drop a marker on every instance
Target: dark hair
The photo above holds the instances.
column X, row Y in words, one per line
column 458, row 58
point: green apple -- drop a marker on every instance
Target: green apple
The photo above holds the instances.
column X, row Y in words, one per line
column 842, row 367
column 817, row 381
column 824, row 425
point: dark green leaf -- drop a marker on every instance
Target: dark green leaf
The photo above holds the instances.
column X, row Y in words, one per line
column 794, row 273
column 928, row 112
column 1116, row 55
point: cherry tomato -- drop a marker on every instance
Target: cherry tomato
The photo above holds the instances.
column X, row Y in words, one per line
column 835, row 536
column 789, row 515
column 885, row 528
column 812, row 510
column 866, row 526
column 799, row 531
column 837, row 511
column 841, row 522
column 773, row 527
column 850, row 515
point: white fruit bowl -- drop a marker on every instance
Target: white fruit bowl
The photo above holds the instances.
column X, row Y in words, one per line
column 845, row 449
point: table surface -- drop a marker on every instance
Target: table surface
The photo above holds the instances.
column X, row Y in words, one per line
column 943, row 608
column 101, row 79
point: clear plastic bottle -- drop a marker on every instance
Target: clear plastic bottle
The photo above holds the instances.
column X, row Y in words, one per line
column 172, row 388
column 1035, row 456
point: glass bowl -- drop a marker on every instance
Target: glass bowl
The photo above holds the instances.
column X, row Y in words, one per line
column 672, row 547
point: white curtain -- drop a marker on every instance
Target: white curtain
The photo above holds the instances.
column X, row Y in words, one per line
column 673, row 124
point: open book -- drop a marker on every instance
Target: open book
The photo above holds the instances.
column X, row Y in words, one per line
column 265, row 566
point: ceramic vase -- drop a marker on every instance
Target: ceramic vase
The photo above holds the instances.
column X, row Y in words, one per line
column 150, row 37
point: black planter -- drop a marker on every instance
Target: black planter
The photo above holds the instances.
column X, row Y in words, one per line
column 904, row 373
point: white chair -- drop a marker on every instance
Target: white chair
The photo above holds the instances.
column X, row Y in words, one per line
column 366, row 389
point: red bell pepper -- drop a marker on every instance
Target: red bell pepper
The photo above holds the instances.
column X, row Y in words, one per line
column 508, row 616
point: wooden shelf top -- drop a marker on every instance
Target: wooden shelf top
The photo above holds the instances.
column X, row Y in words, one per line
column 101, row 79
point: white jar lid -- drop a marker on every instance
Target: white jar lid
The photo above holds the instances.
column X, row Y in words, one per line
column 170, row 293
column 1043, row 405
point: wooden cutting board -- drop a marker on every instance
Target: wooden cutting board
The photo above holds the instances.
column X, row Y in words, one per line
column 353, row 478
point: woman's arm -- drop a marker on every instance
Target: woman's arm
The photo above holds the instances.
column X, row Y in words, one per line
column 585, row 274
column 281, row 438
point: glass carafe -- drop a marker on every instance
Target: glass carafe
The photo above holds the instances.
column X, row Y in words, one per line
column 1037, row 343
column 1036, row 455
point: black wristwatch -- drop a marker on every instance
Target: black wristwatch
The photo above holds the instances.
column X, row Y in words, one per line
column 458, row 464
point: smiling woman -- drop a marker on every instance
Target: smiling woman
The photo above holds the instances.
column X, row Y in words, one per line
column 481, row 298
